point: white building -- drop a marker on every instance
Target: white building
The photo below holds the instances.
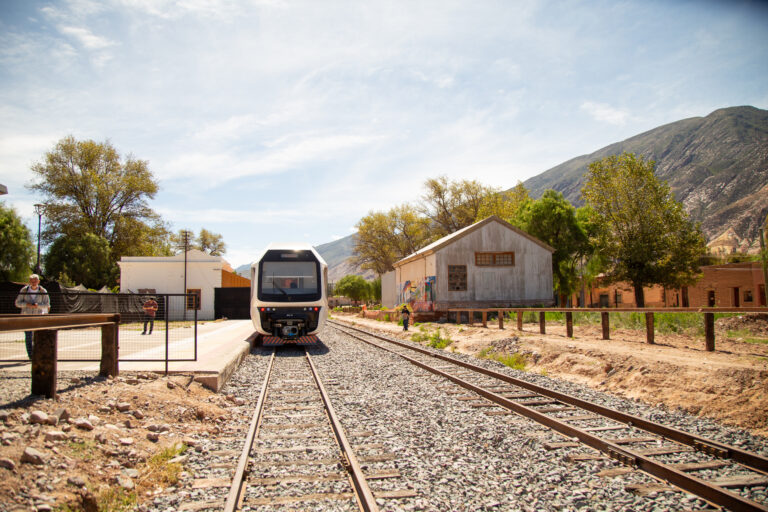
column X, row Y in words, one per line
column 165, row 274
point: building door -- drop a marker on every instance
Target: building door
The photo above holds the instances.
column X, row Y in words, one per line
column 736, row 298
column 711, row 298
column 605, row 300
column 761, row 293
column 685, row 297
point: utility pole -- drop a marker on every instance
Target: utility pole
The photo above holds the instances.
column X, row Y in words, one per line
column 185, row 241
column 39, row 210
column 764, row 257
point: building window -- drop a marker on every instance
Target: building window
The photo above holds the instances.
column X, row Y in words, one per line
column 457, row 278
column 747, row 295
column 494, row 259
column 193, row 298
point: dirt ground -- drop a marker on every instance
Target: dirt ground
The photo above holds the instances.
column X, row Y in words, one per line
column 129, row 451
column 729, row 384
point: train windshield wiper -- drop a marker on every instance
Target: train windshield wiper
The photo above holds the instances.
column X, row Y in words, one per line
column 275, row 286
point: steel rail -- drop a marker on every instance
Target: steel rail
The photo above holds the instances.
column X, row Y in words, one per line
column 697, row 486
column 235, row 491
column 365, row 498
column 722, row 450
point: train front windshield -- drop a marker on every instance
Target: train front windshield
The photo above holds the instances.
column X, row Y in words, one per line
column 289, row 276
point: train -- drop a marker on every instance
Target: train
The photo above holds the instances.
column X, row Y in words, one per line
column 289, row 294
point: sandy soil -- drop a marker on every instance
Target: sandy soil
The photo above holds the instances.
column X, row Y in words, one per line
column 729, row 384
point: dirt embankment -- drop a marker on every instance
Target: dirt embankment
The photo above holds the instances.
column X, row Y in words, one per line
column 729, row 384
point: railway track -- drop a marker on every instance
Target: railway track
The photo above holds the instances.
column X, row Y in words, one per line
column 721, row 474
column 296, row 452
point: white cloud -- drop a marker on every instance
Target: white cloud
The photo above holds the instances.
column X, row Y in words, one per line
column 87, row 38
column 605, row 113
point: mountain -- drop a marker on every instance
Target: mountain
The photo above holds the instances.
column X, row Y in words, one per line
column 336, row 254
column 717, row 166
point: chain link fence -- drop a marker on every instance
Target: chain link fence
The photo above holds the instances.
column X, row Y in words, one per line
column 170, row 334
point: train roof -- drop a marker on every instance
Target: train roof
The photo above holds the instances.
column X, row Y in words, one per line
column 289, row 246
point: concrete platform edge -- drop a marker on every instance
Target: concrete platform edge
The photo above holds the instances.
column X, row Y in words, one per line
column 216, row 381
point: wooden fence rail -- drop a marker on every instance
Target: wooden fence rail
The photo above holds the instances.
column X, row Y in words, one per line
column 45, row 344
column 708, row 314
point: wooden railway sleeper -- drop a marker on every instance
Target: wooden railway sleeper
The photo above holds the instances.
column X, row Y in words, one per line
column 710, row 449
column 625, row 458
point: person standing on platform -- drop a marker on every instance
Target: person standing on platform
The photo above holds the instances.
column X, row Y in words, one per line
column 150, row 309
column 33, row 299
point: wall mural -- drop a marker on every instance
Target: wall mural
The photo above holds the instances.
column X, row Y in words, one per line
column 419, row 294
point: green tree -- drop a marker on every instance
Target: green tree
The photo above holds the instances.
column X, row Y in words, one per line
column 88, row 188
column 647, row 238
column 452, row 205
column 552, row 219
column 352, row 286
column 506, row 205
column 212, row 243
column 384, row 238
column 375, row 289
column 16, row 246
column 85, row 259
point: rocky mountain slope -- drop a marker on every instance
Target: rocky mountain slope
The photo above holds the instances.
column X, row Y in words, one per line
column 717, row 166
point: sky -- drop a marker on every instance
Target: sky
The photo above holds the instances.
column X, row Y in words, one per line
column 270, row 120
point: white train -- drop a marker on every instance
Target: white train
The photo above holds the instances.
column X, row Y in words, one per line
column 289, row 296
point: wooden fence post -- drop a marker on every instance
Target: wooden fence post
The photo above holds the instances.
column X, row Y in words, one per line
column 501, row 319
column 542, row 323
column 649, row 328
column 485, row 319
column 709, row 331
column 109, row 351
column 606, row 322
column 458, row 317
column 44, row 363
column 519, row 320
column 569, row 324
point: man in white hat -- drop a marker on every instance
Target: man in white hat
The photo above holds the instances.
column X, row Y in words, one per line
column 33, row 299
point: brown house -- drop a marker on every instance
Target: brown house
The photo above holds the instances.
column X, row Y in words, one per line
column 729, row 285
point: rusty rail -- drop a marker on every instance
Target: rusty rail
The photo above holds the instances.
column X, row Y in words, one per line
column 235, row 491
column 709, row 318
column 712, row 493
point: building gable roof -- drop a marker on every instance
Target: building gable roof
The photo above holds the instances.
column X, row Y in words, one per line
column 456, row 235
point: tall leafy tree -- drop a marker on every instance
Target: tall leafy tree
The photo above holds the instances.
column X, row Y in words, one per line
column 82, row 259
column 384, row 237
column 647, row 238
column 212, row 243
column 452, row 205
column 88, row 188
column 506, row 205
column 552, row 219
column 354, row 287
column 16, row 246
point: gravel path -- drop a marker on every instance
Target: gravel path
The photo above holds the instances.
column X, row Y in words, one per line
column 453, row 456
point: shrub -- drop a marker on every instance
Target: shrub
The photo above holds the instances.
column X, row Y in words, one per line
column 515, row 360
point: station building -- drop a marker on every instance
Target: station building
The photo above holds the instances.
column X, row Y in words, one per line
column 165, row 274
column 486, row 265
column 728, row 285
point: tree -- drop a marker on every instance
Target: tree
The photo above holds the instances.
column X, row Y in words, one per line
column 506, row 205
column 212, row 243
column 16, row 246
column 375, row 289
column 647, row 237
column 85, row 259
column 552, row 219
column 451, row 206
column 88, row 188
column 384, row 238
column 352, row 286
